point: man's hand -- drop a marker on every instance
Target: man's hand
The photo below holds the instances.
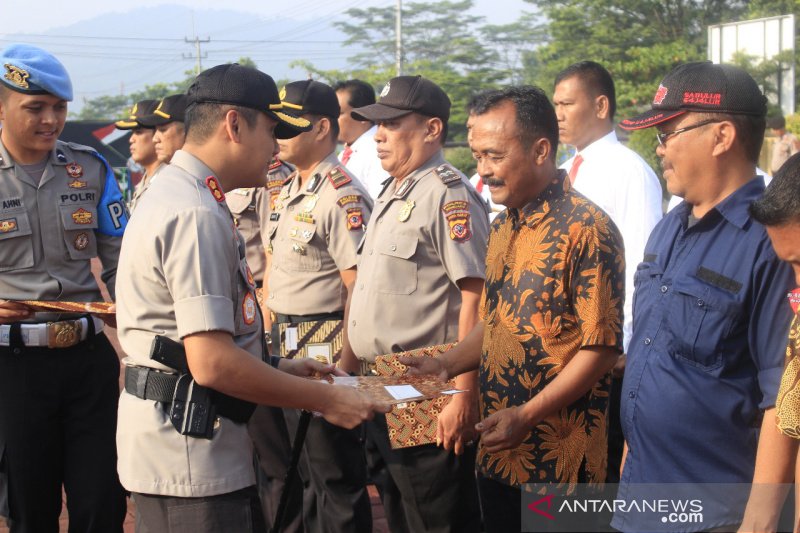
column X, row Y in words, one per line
column 350, row 407
column 425, row 365
column 504, row 429
column 13, row 312
column 619, row 367
column 456, row 426
column 306, row 367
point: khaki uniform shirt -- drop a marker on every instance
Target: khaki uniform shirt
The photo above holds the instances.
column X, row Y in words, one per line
column 182, row 271
column 314, row 234
column 427, row 232
column 50, row 230
column 142, row 187
column 250, row 209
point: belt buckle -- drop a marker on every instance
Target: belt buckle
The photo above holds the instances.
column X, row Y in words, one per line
column 366, row 368
column 64, row 334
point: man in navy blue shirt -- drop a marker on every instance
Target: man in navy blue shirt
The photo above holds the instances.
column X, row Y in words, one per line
column 709, row 313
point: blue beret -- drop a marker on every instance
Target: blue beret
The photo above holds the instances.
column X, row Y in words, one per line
column 31, row 70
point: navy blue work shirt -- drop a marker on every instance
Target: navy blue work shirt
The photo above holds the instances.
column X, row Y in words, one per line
column 710, row 320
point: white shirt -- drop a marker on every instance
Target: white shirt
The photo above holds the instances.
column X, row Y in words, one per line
column 675, row 200
column 619, row 181
column 364, row 162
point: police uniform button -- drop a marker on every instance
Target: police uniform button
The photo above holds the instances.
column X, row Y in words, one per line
column 631, row 394
column 353, row 323
column 664, row 288
column 370, row 252
column 16, row 351
column 700, row 302
column 393, row 248
column 648, row 340
column 361, row 286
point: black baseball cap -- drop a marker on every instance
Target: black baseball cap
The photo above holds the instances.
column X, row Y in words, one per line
column 309, row 96
column 404, row 95
column 169, row 109
column 234, row 84
column 702, row 87
column 139, row 110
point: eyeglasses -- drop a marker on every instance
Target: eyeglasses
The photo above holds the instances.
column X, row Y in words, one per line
column 662, row 137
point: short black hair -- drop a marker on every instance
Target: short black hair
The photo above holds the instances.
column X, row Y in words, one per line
column 334, row 123
column 749, row 130
column 361, row 93
column 536, row 117
column 202, row 118
column 595, row 78
column 780, row 203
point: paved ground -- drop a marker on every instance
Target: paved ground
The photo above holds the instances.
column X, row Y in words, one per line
column 379, row 521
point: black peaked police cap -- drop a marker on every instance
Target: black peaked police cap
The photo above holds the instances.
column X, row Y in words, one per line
column 309, row 96
column 234, row 84
column 404, row 95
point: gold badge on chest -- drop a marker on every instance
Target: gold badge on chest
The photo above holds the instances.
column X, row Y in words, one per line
column 405, row 211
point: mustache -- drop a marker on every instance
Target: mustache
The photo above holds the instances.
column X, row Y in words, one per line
column 492, row 182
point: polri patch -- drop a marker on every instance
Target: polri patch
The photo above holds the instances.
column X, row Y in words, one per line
column 249, row 308
column 216, row 190
column 8, row 225
column 338, row 178
column 82, row 216
column 355, row 218
column 459, row 227
column 455, row 206
column 74, row 170
column 81, row 241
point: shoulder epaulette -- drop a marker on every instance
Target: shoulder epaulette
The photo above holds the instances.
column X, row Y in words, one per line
column 448, row 175
column 80, row 147
column 276, row 163
column 338, row 177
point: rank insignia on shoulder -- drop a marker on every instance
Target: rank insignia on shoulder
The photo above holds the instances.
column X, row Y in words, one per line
column 82, row 216
column 74, row 170
column 459, row 226
column 249, row 308
column 447, row 174
column 8, row 225
column 76, row 184
column 81, row 241
column 338, row 177
column 355, row 218
column 216, row 190
column 276, row 163
column 60, row 156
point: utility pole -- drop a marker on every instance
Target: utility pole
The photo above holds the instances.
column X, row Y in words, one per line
column 398, row 31
column 197, row 55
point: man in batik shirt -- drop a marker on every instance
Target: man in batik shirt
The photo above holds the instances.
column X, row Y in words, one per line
column 551, row 312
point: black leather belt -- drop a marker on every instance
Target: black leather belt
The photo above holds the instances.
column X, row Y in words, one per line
column 296, row 319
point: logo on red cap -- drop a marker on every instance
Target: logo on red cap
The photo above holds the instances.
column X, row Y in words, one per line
column 661, row 93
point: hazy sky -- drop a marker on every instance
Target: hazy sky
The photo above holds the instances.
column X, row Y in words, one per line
column 31, row 16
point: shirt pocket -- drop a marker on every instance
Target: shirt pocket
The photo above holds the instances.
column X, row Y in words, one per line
column 302, row 256
column 647, row 274
column 397, row 273
column 79, row 222
column 16, row 240
column 700, row 319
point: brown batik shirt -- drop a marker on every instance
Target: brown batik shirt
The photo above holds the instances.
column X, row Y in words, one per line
column 555, row 277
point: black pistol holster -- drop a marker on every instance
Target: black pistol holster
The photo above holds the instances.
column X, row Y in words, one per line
column 194, row 408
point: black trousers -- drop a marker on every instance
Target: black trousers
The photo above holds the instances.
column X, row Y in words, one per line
column 267, row 428
column 334, row 473
column 501, row 505
column 58, row 421
column 424, row 488
column 234, row 512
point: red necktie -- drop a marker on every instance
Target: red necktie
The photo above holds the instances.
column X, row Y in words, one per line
column 346, row 153
column 573, row 171
column 479, row 185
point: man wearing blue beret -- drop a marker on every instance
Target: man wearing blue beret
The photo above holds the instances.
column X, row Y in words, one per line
column 60, row 206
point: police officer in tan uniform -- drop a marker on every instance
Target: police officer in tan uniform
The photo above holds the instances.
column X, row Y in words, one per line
column 142, row 146
column 184, row 277
column 314, row 232
column 60, row 206
column 420, row 277
column 167, row 120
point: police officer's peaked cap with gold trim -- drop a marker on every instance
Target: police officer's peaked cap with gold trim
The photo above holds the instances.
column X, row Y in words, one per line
column 140, row 109
column 169, row 109
column 309, row 96
column 30, row 70
column 236, row 85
